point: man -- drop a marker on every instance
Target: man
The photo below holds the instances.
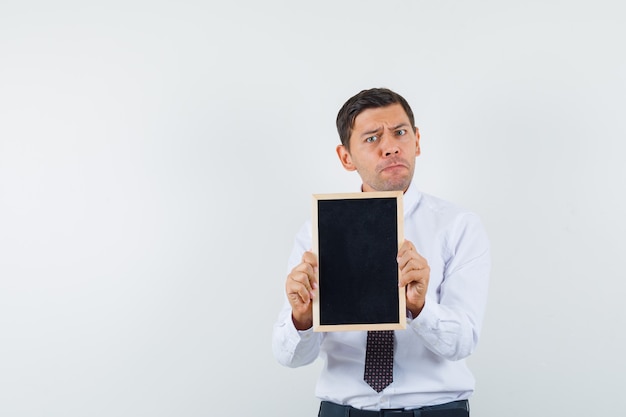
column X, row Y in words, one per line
column 444, row 265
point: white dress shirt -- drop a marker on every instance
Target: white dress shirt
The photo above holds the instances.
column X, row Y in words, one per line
column 429, row 366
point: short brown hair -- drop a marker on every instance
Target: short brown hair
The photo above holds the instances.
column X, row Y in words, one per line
column 367, row 99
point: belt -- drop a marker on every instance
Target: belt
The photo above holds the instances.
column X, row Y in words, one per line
column 452, row 409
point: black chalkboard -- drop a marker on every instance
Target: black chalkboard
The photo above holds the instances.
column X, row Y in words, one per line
column 356, row 237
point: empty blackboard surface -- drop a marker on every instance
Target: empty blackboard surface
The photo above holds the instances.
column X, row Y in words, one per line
column 356, row 237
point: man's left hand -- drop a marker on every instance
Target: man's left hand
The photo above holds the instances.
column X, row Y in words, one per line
column 414, row 276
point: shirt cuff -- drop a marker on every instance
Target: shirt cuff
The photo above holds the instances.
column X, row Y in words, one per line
column 427, row 318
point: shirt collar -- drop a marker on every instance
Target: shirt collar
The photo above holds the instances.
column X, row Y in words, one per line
column 411, row 198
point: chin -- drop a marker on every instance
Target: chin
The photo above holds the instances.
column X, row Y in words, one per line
column 392, row 184
column 396, row 185
column 392, row 187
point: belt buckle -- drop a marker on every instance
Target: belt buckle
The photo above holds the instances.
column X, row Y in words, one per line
column 396, row 412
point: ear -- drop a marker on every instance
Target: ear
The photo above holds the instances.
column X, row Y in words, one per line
column 345, row 158
column 417, row 141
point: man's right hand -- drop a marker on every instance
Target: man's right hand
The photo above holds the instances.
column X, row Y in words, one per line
column 300, row 286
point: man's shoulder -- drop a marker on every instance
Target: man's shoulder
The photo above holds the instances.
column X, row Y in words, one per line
column 451, row 220
column 442, row 206
column 442, row 213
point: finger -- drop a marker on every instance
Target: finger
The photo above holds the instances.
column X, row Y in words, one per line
column 407, row 252
column 299, row 298
column 411, row 260
column 303, row 295
column 412, row 264
column 410, row 277
column 416, row 288
column 300, row 280
column 415, row 297
column 414, row 271
column 310, row 258
column 405, row 249
column 407, row 245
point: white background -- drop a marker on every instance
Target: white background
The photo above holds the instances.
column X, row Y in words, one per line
column 158, row 157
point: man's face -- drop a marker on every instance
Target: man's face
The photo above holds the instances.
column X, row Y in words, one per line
column 383, row 148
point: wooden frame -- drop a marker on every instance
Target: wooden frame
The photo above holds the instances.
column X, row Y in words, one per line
column 356, row 237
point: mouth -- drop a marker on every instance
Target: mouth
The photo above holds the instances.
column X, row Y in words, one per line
column 393, row 165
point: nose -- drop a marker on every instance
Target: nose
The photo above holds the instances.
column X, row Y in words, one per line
column 390, row 147
column 392, row 151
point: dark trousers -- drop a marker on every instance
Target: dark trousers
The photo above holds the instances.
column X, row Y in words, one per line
column 453, row 409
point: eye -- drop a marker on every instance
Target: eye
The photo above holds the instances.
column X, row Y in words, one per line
column 401, row 132
column 371, row 139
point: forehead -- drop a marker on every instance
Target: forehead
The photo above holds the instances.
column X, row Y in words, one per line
column 374, row 118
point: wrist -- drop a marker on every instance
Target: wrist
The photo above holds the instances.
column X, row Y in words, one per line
column 415, row 310
column 301, row 323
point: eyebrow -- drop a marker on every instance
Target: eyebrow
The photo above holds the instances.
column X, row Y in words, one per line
column 370, row 132
column 398, row 126
column 378, row 129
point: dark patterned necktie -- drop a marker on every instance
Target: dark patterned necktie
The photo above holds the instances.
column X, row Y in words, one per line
column 379, row 359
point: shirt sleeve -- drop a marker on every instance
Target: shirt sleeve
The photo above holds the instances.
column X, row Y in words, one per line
column 290, row 346
column 450, row 322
